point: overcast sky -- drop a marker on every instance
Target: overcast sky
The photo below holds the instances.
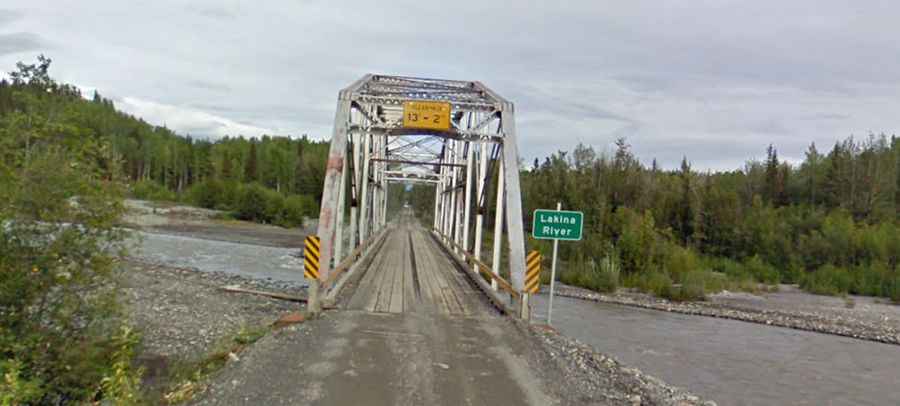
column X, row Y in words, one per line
column 714, row 80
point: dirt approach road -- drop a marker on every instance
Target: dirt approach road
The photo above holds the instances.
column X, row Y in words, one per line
column 412, row 329
column 414, row 332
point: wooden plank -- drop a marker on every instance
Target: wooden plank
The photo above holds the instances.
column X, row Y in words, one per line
column 275, row 295
column 448, row 289
column 400, row 271
column 363, row 293
column 410, row 300
column 434, row 284
column 378, row 280
column 425, row 279
column 440, row 272
column 393, row 276
column 383, row 302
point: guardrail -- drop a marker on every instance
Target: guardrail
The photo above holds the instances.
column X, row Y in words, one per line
column 483, row 268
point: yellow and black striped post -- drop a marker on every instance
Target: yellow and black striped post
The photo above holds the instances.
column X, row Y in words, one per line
column 533, row 272
column 311, row 257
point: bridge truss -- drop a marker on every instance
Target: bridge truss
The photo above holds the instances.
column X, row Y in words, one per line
column 377, row 142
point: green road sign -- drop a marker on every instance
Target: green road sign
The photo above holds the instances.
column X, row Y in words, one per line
column 557, row 225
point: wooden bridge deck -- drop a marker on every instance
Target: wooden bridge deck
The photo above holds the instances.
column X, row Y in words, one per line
column 411, row 274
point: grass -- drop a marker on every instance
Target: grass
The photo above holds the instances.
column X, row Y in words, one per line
column 188, row 378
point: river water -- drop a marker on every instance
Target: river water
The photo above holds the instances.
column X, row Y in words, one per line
column 253, row 261
column 734, row 362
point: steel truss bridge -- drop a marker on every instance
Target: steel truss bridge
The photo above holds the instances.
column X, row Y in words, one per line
column 459, row 137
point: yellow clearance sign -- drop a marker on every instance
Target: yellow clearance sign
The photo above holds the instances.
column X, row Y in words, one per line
column 427, row 115
column 311, row 257
column 533, row 272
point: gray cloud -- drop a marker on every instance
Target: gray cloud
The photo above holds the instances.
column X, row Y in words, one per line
column 211, row 86
column 216, row 11
column 8, row 15
column 19, row 42
column 714, row 80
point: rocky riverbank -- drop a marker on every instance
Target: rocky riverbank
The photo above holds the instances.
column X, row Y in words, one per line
column 183, row 314
column 865, row 324
column 592, row 376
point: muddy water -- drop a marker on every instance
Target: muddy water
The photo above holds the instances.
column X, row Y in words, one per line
column 734, row 362
column 253, row 261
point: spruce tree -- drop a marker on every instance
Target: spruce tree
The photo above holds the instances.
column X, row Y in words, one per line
column 250, row 170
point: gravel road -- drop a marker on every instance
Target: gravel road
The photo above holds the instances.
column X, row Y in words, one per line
column 433, row 347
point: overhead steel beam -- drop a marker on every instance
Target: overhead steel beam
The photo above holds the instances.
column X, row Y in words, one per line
column 422, row 163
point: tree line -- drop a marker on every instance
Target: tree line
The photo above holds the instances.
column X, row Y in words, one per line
column 829, row 223
column 278, row 179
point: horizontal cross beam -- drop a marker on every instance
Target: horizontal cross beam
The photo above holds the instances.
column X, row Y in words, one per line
column 423, row 163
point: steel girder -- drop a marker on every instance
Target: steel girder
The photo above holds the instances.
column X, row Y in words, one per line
column 371, row 147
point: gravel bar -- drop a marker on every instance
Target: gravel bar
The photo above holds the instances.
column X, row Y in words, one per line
column 838, row 325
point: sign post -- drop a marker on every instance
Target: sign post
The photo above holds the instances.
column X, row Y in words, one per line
column 556, row 225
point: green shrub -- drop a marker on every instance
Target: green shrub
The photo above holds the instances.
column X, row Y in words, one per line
column 892, row 288
column 603, row 277
column 14, row 388
column 693, row 286
column 297, row 208
column 122, row 383
column 274, row 212
column 680, row 262
column 150, row 190
column 827, row 280
column 655, row 283
column 208, row 193
column 232, row 192
column 761, row 271
column 58, row 311
column 714, row 282
column 252, row 203
column 869, row 279
column 609, row 271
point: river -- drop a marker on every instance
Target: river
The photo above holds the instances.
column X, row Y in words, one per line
column 734, row 362
column 253, row 261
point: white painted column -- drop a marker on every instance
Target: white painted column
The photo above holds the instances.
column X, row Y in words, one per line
column 339, row 214
column 451, row 229
column 498, row 221
column 354, row 206
column 460, row 209
column 364, row 197
column 469, row 163
column 479, row 216
column 376, row 153
column 437, row 205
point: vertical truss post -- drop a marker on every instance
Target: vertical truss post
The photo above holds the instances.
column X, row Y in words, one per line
column 339, row 214
column 454, row 203
column 480, row 200
column 469, row 163
column 376, row 189
column 458, row 217
column 373, row 169
column 354, row 196
column 330, row 197
column 515, row 230
column 364, row 197
column 437, row 206
column 498, row 223
column 384, row 186
column 445, row 199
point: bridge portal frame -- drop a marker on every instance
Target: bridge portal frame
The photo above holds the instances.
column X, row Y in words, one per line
column 370, row 147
